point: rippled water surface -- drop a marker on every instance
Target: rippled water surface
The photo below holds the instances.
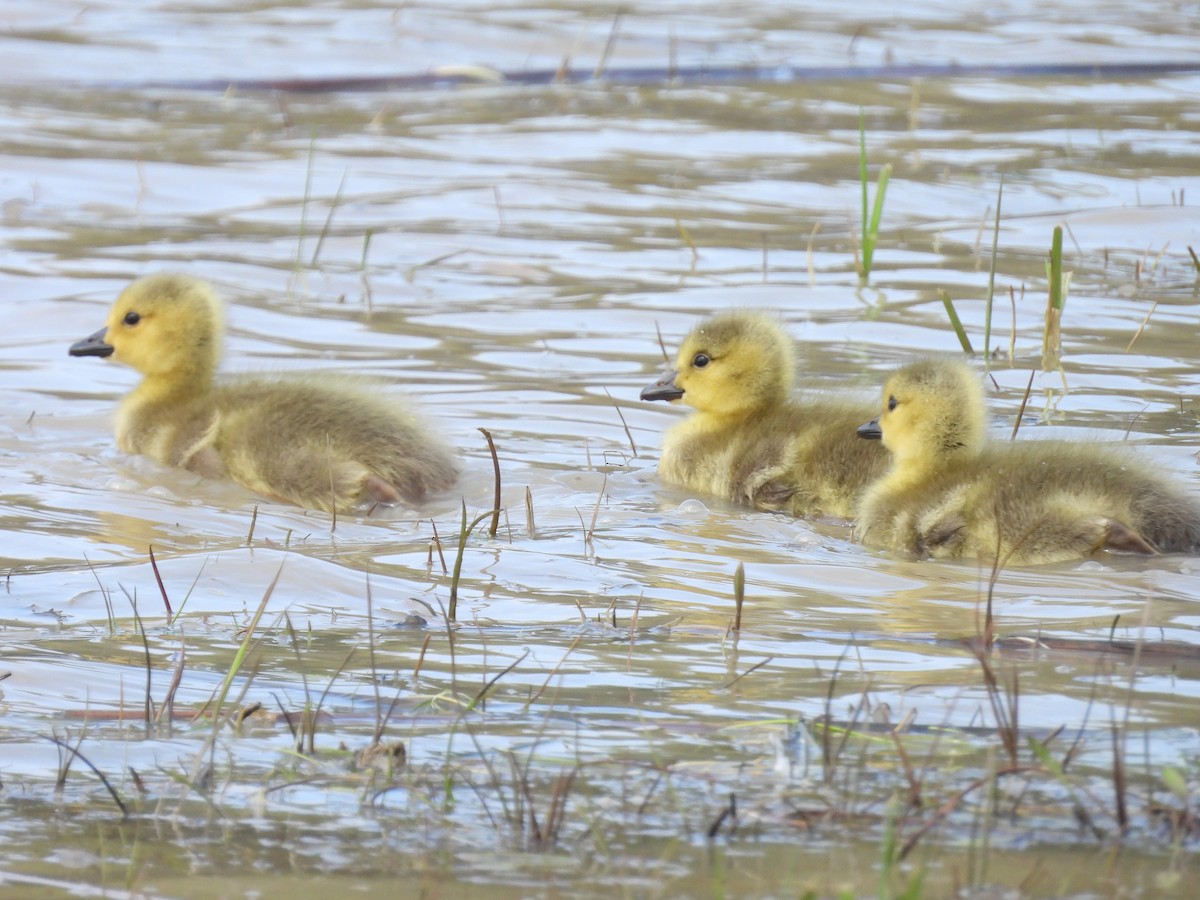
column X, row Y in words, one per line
column 508, row 255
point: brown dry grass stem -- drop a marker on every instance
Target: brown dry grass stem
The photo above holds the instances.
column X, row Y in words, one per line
column 727, row 813
column 1024, row 403
column 591, row 529
column 148, row 711
column 944, row 811
column 624, row 424
column 496, row 469
column 436, row 544
column 105, row 595
column 543, row 835
column 1142, row 327
column 739, row 595
column 613, row 33
column 158, row 578
column 557, row 666
column 754, row 668
column 75, row 754
column 253, row 522
column 421, row 656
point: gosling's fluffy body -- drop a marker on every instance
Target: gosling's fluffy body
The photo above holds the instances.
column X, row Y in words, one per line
column 322, row 442
column 748, row 440
column 952, row 493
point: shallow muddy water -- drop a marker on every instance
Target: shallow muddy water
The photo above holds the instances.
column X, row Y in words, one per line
column 507, row 256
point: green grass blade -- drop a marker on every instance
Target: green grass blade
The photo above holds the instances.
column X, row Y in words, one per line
column 956, row 323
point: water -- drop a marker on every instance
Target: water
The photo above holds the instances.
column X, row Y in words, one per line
column 506, row 255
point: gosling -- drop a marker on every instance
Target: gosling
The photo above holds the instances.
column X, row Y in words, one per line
column 950, row 492
column 749, row 441
column 320, row 442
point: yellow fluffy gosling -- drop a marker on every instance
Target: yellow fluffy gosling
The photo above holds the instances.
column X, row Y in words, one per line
column 749, row 440
column 321, row 442
column 950, row 492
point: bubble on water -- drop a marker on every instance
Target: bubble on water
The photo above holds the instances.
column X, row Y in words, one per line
column 692, row 508
column 121, row 483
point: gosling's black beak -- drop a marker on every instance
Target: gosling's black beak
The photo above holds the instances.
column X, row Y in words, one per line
column 92, row 346
column 871, row 431
column 663, row 389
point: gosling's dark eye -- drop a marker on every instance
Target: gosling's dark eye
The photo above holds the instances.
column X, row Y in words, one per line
column 700, row 360
column 892, row 403
column 132, row 318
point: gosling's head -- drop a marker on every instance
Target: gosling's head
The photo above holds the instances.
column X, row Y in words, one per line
column 931, row 409
column 730, row 365
column 162, row 325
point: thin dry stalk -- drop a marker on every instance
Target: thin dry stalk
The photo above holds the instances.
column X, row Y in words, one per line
column 914, row 800
column 1024, row 403
column 1137, row 334
column 499, row 206
column 753, row 668
column 312, row 720
column 437, row 543
column 421, row 656
column 991, row 292
column 253, row 521
column 530, row 526
column 739, row 595
column 75, row 754
column 812, row 269
column 596, row 511
column 532, row 700
column 337, row 198
column 496, row 469
column 148, row 711
column 661, row 344
column 161, row 587
column 167, row 710
column 479, row 698
column 624, row 424
column 729, row 812
column 609, row 44
column 950, row 805
column 558, row 804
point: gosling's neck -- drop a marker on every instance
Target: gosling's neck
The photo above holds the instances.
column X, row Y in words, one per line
column 180, row 383
column 913, row 466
